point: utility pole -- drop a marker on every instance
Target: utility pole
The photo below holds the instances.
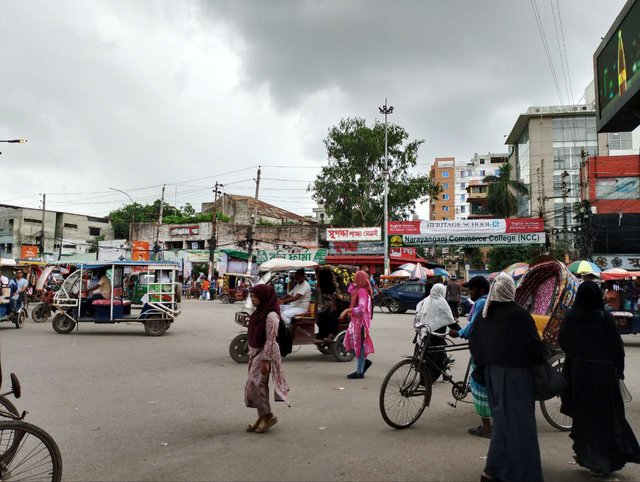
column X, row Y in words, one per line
column 565, row 228
column 386, row 110
column 156, row 248
column 44, row 203
column 213, row 242
column 252, row 229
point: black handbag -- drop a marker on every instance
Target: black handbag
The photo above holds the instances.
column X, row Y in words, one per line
column 548, row 382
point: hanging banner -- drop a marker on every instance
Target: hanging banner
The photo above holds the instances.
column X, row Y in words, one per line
column 356, row 248
column 316, row 255
column 354, row 234
column 469, row 239
column 630, row 262
column 498, row 226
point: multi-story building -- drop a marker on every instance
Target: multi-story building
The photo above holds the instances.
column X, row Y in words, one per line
column 471, row 191
column 443, row 172
column 548, row 145
column 61, row 234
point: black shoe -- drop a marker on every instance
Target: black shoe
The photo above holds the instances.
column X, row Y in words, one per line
column 367, row 364
column 355, row 375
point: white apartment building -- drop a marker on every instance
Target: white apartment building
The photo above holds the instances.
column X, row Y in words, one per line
column 472, row 173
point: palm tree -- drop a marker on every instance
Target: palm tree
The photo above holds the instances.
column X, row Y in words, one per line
column 502, row 192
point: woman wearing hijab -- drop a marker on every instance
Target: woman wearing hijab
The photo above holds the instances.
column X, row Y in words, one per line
column 358, row 338
column 603, row 441
column 505, row 345
column 264, row 358
column 435, row 313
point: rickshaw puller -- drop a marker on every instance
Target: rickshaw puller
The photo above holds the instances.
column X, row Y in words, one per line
column 100, row 291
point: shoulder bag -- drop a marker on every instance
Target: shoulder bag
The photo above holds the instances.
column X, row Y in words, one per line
column 548, row 382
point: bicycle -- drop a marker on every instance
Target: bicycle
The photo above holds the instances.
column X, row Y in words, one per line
column 406, row 390
column 382, row 301
column 26, row 452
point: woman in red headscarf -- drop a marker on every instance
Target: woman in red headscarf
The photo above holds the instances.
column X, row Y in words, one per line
column 358, row 338
column 264, row 358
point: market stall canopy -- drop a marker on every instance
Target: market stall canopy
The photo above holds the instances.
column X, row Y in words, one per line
column 616, row 273
column 584, row 267
column 400, row 273
column 7, row 262
column 279, row 264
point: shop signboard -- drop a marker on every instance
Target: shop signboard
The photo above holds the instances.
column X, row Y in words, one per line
column 140, row 250
column 29, row 251
column 354, row 234
column 630, row 262
column 468, row 226
column 359, row 248
column 399, row 252
column 316, row 255
column 475, row 239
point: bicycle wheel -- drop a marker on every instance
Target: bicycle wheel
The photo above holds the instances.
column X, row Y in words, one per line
column 404, row 394
column 8, row 407
column 28, row 453
column 551, row 408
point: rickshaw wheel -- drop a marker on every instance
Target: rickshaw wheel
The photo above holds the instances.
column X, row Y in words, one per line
column 551, row 408
column 63, row 324
column 239, row 348
column 19, row 318
column 324, row 349
column 339, row 351
column 225, row 299
column 40, row 313
column 155, row 327
column 404, row 394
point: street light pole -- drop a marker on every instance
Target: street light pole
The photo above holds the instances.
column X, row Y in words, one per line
column 386, row 110
column 133, row 210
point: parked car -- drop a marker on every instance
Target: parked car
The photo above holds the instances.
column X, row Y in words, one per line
column 406, row 296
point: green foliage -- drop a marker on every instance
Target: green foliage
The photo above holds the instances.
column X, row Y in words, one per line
column 475, row 258
column 351, row 186
column 149, row 213
column 502, row 192
column 502, row 256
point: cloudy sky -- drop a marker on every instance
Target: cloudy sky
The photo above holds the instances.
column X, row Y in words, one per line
column 133, row 95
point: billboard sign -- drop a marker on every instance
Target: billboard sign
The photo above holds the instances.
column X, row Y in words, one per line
column 477, row 239
column 316, row 255
column 402, row 253
column 469, row 226
column 140, row 251
column 617, row 73
column 342, row 248
column 354, row 234
column 29, row 251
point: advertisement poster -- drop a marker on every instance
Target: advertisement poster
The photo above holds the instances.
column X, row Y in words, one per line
column 354, row 234
column 28, row 251
column 470, row 226
column 140, row 251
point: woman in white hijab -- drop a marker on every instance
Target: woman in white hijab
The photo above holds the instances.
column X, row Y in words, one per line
column 434, row 313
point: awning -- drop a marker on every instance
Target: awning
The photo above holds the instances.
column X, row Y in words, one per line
column 234, row 253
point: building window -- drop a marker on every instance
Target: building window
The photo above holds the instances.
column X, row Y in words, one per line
column 481, row 161
column 445, row 197
column 445, row 209
column 463, row 185
column 497, row 172
column 462, row 209
column 445, row 218
column 9, row 248
column 462, row 173
column 482, row 172
column 70, row 226
column 445, row 185
column 462, row 197
column 445, row 173
column 31, row 220
column 620, row 141
column 94, row 231
column 171, row 245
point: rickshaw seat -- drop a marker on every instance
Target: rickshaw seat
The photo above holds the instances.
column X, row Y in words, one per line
column 309, row 315
column 107, row 303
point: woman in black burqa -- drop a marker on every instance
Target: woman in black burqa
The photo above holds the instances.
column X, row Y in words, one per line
column 603, row 441
column 505, row 345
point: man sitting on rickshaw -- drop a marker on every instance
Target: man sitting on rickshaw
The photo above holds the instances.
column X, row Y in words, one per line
column 297, row 300
column 99, row 291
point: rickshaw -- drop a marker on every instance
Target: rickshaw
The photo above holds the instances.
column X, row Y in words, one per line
column 17, row 317
column 160, row 304
column 235, row 287
column 32, row 271
column 625, row 284
column 303, row 328
column 547, row 291
column 45, row 289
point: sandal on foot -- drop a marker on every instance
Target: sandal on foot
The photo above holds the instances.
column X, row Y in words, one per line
column 479, row 432
column 263, row 427
column 252, row 428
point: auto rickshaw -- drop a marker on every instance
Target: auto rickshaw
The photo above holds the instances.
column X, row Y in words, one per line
column 235, row 287
column 160, row 303
column 45, row 289
column 303, row 329
column 17, row 317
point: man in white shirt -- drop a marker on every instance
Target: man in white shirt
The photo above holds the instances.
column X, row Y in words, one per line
column 297, row 300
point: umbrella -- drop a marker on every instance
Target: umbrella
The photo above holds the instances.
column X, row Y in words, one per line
column 494, row 275
column 441, row 272
column 516, row 273
column 400, row 273
column 511, row 268
column 615, row 274
column 407, row 267
column 584, row 267
column 419, row 272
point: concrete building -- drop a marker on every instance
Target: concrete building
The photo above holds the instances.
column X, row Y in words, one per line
column 443, row 172
column 471, row 191
column 64, row 233
column 241, row 208
column 547, row 145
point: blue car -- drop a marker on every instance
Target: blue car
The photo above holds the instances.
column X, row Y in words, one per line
column 406, row 296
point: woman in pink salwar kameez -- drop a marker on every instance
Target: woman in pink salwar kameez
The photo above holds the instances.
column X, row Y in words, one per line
column 264, row 358
column 358, row 337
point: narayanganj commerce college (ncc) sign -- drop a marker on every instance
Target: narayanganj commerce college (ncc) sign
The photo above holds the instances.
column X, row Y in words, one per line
column 475, row 232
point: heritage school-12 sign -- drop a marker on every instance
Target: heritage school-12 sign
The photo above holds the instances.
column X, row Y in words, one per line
column 472, row 232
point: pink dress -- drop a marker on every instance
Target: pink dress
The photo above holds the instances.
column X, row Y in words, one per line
column 360, row 318
column 256, row 391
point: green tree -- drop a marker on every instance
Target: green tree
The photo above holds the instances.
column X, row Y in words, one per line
column 351, row 186
column 502, row 192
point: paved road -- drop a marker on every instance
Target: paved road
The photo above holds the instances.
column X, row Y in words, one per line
column 125, row 406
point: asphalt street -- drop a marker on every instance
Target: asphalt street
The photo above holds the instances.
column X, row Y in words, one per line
column 126, row 406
